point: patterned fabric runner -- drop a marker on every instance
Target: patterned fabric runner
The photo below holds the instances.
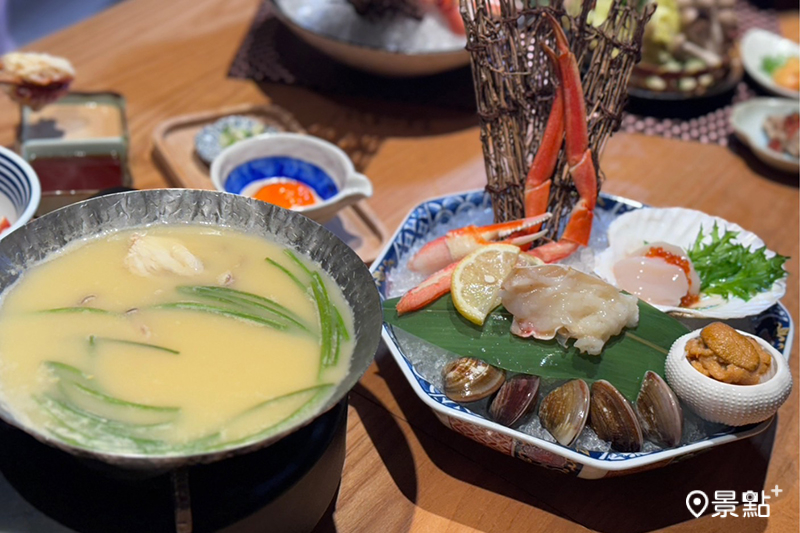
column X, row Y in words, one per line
column 271, row 53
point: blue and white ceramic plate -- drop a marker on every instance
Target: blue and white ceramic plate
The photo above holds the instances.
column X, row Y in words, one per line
column 774, row 325
column 215, row 137
column 20, row 191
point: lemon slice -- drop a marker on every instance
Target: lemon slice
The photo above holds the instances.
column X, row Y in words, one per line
column 529, row 260
column 475, row 285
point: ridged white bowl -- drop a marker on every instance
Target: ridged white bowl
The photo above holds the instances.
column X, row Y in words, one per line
column 734, row 405
column 680, row 226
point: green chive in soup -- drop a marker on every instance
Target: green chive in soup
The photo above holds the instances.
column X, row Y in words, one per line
column 168, row 340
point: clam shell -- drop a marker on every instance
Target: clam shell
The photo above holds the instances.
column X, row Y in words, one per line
column 468, row 380
column 565, row 410
column 660, row 414
column 613, row 419
column 515, row 399
column 734, row 405
column 680, row 227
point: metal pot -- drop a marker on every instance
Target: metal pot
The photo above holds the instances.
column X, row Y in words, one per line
column 30, row 244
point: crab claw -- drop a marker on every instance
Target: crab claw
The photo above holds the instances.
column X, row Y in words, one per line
column 457, row 243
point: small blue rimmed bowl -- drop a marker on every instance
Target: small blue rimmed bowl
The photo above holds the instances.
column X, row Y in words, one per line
column 20, row 191
column 249, row 165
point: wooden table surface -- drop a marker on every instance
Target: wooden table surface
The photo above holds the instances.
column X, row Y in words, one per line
column 404, row 471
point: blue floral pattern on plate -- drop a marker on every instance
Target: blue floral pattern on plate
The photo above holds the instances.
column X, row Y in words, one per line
column 774, row 325
column 208, row 141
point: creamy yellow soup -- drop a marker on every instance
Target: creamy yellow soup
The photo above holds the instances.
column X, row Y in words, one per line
column 171, row 339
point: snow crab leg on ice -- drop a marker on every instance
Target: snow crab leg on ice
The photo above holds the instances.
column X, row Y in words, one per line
column 439, row 258
column 567, row 120
column 457, row 243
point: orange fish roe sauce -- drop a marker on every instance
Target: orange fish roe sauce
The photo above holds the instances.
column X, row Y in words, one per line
column 688, row 299
column 286, row 193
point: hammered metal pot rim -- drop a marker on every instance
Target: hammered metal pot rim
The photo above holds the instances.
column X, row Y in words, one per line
column 32, row 243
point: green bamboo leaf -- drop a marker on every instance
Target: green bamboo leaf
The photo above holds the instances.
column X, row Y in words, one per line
column 624, row 360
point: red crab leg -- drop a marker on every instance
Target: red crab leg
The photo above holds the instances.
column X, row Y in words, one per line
column 579, row 157
column 537, row 184
column 429, row 290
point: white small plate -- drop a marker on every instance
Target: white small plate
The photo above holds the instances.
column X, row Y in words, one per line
column 758, row 44
column 396, row 47
column 747, row 119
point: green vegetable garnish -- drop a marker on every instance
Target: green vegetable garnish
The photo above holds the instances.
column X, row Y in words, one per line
column 728, row 269
column 231, row 135
column 770, row 64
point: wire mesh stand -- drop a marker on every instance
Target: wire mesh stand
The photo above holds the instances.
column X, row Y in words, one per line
column 514, row 87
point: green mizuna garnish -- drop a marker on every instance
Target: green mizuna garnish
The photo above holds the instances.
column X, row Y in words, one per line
column 727, row 268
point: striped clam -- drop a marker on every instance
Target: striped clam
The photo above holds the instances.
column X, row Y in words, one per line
column 659, row 412
column 613, row 418
column 515, row 399
column 565, row 410
column 469, row 380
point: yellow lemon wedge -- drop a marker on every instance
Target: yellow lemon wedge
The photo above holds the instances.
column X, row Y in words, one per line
column 529, row 260
column 475, row 285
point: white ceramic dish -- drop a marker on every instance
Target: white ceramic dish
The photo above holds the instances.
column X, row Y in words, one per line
column 747, row 119
column 20, row 191
column 302, row 157
column 774, row 323
column 680, row 226
column 734, row 405
column 758, row 44
column 397, row 47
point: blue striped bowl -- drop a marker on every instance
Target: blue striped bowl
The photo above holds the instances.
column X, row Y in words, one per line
column 20, row 191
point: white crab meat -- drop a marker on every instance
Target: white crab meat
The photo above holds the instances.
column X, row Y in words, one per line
column 552, row 300
column 149, row 255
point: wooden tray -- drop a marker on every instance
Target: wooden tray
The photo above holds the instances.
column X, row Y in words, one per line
column 173, row 148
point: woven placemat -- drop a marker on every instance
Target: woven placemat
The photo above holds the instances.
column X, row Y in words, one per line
column 272, row 53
